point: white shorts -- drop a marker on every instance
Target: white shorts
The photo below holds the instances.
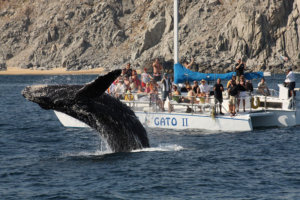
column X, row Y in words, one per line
column 243, row 95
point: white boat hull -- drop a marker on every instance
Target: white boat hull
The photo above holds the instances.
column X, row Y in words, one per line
column 182, row 121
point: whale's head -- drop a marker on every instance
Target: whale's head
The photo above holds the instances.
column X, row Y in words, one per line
column 51, row 96
column 58, row 96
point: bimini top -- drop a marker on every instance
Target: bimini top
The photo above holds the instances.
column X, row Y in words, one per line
column 182, row 74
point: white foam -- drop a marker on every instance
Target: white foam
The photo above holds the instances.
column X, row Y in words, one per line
column 162, row 147
column 87, row 153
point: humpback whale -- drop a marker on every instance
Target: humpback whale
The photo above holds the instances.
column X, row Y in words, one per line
column 115, row 121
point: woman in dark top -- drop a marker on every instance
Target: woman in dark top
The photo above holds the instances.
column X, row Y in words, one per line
column 233, row 93
column 195, row 87
column 242, row 93
column 218, row 89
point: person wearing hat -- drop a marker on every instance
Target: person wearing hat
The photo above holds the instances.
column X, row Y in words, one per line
column 290, row 81
column 204, row 90
column 166, row 89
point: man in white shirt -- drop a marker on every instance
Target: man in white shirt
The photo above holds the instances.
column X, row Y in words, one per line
column 204, row 89
column 120, row 90
column 263, row 88
column 290, row 82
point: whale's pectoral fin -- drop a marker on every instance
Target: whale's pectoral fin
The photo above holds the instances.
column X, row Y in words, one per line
column 98, row 86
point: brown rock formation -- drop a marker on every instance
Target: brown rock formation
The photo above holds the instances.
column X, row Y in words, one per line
column 83, row 34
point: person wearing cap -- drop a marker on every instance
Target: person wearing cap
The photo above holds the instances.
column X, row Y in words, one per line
column 290, row 81
column 204, row 90
column 166, row 88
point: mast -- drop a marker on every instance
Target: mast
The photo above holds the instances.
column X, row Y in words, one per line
column 175, row 31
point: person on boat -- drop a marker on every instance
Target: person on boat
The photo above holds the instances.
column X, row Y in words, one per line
column 190, row 97
column 120, row 89
column 147, row 88
column 157, row 69
column 135, row 82
column 134, row 72
column 128, row 70
column 196, row 87
column 240, row 67
column 263, row 88
column 122, row 76
column 185, row 86
column 204, row 90
column 290, row 82
column 233, row 78
column 188, row 65
column 176, row 94
column 145, row 77
column 128, row 96
column 140, row 90
column 242, row 93
column 126, row 82
column 218, row 94
column 249, row 86
column 154, row 98
column 233, row 92
column 166, row 89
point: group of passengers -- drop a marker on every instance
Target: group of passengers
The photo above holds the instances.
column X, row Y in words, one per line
column 238, row 87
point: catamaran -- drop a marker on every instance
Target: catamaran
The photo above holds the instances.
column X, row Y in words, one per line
column 276, row 110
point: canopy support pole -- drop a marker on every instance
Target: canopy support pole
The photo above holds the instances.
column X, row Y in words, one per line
column 175, row 31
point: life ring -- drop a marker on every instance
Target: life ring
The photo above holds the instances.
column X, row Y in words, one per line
column 128, row 97
column 255, row 106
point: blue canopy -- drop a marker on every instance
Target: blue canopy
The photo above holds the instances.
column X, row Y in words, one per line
column 182, row 74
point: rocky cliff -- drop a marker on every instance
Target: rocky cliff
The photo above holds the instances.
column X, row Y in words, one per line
column 83, row 34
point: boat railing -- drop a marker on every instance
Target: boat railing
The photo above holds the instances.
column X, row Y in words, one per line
column 153, row 102
column 269, row 92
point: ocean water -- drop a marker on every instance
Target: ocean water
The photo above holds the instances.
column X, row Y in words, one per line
column 41, row 159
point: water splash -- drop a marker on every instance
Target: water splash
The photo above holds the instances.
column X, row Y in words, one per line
column 97, row 153
column 162, row 147
column 88, row 153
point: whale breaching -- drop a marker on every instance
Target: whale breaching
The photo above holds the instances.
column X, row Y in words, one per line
column 115, row 121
